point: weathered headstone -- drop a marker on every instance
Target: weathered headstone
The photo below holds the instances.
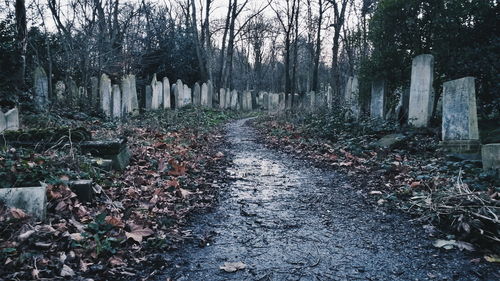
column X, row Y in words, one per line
column 155, row 100
column 222, row 98
column 166, row 93
column 282, row 102
column 105, row 95
column 329, row 97
column 352, row 98
column 12, row 120
column 126, row 96
column 460, row 131
column 348, row 91
column 179, row 94
column 228, row 98
column 378, row 100
column 211, row 95
column 490, row 154
column 204, row 95
column 72, row 93
column 117, row 102
column 32, row 200
column 149, row 97
column 265, row 100
column 82, row 99
column 59, row 91
column 421, row 92
column 175, row 93
column 234, row 100
column 41, row 89
column 247, row 97
column 187, row 96
column 134, row 102
column 3, row 121
column 94, row 93
column 196, row 94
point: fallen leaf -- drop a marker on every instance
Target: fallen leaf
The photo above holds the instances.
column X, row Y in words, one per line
column 114, row 221
column 25, row 235
column 138, row 233
column 233, row 266
column 492, row 258
column 116, row 261
column 18, row 213
column 66, row 271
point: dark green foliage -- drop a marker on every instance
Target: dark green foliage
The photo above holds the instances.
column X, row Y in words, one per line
column 463, row 36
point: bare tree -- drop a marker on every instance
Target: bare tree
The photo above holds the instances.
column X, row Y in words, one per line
column 339, row 9
column 22, row 40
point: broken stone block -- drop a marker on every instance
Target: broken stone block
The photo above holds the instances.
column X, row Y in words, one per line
column 115, row 150
column 32, row 200
column 83, row 189
column 490, row 154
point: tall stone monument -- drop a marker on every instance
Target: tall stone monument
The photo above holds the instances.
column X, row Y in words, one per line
column 41, row 89
column 166, row 93
column 421, row 92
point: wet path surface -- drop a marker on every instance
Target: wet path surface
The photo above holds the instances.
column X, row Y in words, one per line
column 287, row 220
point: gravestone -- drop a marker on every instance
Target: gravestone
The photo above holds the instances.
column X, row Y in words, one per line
column 155, row 100
column 73, row 93
column 421, row 92
column 126, row 96
column 83, row 189
column 149, row 97
column 117, row 102
column 490, row 154
column 166, row 93
column 282, row 102
column 234, row 100
column 3, row 121
column 159, row 90
column 134, row 102
column 59, row 91
column 222, row 98
column 175, row 95
column 274, row 102
column 460, row 131
column 82, row 99
column 187, row 96
column 196, row 94
column 94, row 93
column 179, row 94
column 105, row 95
column 329, row 97
column 211, row 95
column 311, row 101
column 41, row 89
column 378, row 100
column 348, row 91
column 265, row 100
column 352, row 98
column 12, row 120
column 228, row 99
column 204, row 95
column 32, row 200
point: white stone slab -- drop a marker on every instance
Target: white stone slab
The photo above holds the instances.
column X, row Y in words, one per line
column 421, row 92
column 117, row 102
column 166, row 93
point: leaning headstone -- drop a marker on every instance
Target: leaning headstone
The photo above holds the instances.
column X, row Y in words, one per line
column 211, row 95
column 117, row 102
column 149, row 97
column 32, row 200
column 3, row 121
column 222, row 98
column 460, row 131
column 166, row 93
column 105, row 95
column 378, row 100
column 12, row 120
column 490, row 154
column 134, row 102
column 421, row 93
column 59, row 91
column 126, row 99
column 41, row 89
column 196, row 94
column 234, row 100
column 155, row 100
column 94, row 92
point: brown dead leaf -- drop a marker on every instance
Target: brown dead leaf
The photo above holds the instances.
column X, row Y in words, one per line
column 116, row 261
column 18, row 213
column 138, row 233
column 114, row 221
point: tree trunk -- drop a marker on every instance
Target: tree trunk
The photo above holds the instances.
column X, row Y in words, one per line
column 317, row 53
column 22, row 41
column 199, row 55
column 223, row 46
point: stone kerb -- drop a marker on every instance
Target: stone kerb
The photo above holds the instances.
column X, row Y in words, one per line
column 460, row 131
column 421, row 92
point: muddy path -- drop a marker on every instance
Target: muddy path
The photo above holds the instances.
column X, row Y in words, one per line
column 287, row 220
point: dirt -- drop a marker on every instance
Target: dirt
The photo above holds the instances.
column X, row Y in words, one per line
column 285, row 219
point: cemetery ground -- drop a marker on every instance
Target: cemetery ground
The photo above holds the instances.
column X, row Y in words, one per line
column 199, row 201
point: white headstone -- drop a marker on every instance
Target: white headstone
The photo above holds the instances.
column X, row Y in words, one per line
column 3, row 121
column 329, row 97
column 204, row 95
column 32, row 200
column 117, row 102
column 187, row 98
column 155, row 100
column 347, row 90
column 179, row 94
column 459, row 110
column 12, row 120
column 247, row 101
column 210, row 87
column 234, row 100
column 353, row 99
column 378, row 100
column 166, row 93
column 126, row 96
column 41, row 88
column 105, row 95
column 421, row 92
column 134, row 102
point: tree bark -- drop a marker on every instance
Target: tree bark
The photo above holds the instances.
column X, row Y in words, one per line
column 22, row 41
column 317, row 53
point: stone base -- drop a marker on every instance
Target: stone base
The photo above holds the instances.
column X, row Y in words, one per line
column 491, row 157
column 466, row 149
column 32, row 200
